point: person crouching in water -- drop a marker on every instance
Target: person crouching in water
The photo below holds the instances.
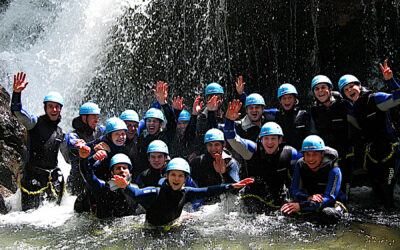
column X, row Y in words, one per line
column 114, row 197
column 173, row 194
column 41, row 174
column 316, row 183
column 269, row 163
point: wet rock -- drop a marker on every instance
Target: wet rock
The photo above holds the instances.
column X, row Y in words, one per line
column 12, row 146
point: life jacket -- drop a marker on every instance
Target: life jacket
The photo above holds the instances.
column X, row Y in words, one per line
column 316, row 182
column 151, row 176
column 44, row 142
column 167, row 206
column 294, row 124
column 203, row 171
column 272, row 173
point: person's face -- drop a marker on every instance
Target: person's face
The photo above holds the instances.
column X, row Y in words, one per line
column 122, row 169
column 153, row 125
column 181, row 126
column 53, row 110
column 157, row 160
column 118, row 137
column 313, row 159
column 132, row 129
column 288, row 101
column 322, row 92
column 215, row 147
column 91, row 120
column 271, row 143
column 352, row 91
column 254, row 112
column 176, row 179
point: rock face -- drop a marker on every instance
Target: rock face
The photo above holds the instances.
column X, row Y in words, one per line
column 12, row 146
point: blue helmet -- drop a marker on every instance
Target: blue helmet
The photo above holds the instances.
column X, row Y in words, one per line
column 346, row 79
column 214, row 135
column 214, row 88
column 54, row 96
column 157, row 146
column 89, row 108
column 254, row 99
column 271, row 128
column 179, row 164
column 287, row 88
column 120, row 158
column 313, row 143
column 321, row 79
column 129, row 115
column 184, row 116
column 154, row 113
column 114, row 123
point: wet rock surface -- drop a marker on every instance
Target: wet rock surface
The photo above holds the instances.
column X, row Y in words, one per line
column 12, row 147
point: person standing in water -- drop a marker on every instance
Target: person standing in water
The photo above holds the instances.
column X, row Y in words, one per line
column 41, row 175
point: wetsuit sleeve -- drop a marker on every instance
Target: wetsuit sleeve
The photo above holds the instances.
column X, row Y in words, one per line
column 171, row 121
column 233, row 172
column 242, row 98
column 313, row 127
column 244, row 147
column 190, row 131
column 393, row 85
column 70, row 139
column 295, row 190
column 330, row 194
column 139, row 181
column 144, row 196
column 196, row 203
column 96, row 185
column 211, row 120
column 206, row 192
column 29, row 121
column 385, row 101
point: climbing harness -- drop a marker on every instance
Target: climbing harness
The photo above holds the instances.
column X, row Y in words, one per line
column 49, row 185
column 270, row 203
column 367, row 154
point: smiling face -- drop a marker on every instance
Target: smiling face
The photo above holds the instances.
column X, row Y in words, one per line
column 215, row 147
column 322, row 92
column 52, row 110
column 153, row 125
column 122, row 169
column 271, row 143
column 313, row 159
column 254, row 112
column 288, row 101
column 181, row 127
column 132, row 129
column 157, row 160
column 352, row 91
column 176, row 179
column 91, row 120
column 118, row 137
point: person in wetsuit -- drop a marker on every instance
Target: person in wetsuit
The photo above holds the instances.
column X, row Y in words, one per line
column 41, row 175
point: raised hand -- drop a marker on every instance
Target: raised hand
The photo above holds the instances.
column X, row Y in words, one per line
column 161, row 92
column 197, row 106
column 243, row 183
column 213, row 103
column 84, row 152
column 233, row 110
column 102, row 146
column 219, row 164
column 387, row 72
column 79, row 143
column 240, row 85
column 120, row 181
column 100, row 155
column 19, row 82
column 178, row 103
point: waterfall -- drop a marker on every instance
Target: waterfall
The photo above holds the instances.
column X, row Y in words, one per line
column 59, row 44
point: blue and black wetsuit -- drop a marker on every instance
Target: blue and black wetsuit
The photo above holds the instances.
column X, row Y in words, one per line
column 114, row 203
column 272, row 173
column 382, row 148
column 168, row 205
column 44, row 139
column 81, row 131
column 325, row 181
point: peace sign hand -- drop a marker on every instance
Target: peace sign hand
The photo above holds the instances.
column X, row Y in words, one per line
column 387, row 72
column 19, row 82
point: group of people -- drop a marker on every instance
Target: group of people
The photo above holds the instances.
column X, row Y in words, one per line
column 300, row 162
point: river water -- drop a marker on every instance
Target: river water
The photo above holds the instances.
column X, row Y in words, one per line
column 59, row 45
